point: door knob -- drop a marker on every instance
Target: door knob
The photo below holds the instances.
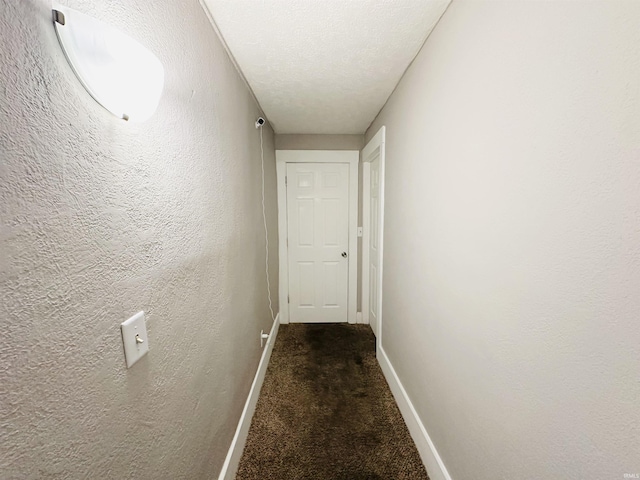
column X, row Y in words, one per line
column 344, row 254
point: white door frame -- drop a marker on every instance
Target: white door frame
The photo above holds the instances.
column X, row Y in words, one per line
column 371, row 151
column 317, row 156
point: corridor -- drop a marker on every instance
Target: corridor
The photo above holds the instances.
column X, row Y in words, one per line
column 326, row 412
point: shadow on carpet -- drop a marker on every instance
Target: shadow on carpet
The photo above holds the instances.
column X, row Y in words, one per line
column 326, row 412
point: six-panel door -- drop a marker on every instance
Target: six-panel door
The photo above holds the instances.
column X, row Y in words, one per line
column 318, row 241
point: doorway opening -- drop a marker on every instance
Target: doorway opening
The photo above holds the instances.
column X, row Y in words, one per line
column 317, row 226
column 372, row 231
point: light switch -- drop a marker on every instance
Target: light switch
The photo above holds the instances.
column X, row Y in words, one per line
column 134, row 338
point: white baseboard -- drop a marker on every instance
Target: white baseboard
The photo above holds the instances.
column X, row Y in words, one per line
column 230, row 466
column 359, row 317
column 428, row 453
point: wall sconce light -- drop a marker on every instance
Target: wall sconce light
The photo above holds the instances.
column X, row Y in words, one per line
column 119, row 73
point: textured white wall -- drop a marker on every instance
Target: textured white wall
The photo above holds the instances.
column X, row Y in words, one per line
column 101, row 218
column 512, row 242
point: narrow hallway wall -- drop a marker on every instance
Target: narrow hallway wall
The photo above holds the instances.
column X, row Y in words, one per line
column 319, row 142
column 512, row 245
column 101, row 218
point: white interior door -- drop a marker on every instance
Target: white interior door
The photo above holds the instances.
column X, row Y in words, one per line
column 374, row 243
column 318, row 241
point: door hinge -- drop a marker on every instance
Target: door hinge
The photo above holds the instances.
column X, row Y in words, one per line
column 288, row 301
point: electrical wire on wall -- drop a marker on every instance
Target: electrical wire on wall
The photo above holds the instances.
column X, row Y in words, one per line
column 259, row 123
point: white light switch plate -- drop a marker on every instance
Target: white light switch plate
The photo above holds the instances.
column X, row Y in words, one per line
column 134, row 348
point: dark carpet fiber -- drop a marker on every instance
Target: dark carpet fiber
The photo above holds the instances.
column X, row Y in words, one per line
column 326, row 412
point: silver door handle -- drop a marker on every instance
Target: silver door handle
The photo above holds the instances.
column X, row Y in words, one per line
column 344, row 254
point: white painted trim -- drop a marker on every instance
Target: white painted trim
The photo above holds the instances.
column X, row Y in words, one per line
column 366, row 238
column 374, row 149
column 283, row 251
column 377, row 140
column 353, row 238
column 231, row 462
column 427, row 450
column 352, row 157
column 359, row 318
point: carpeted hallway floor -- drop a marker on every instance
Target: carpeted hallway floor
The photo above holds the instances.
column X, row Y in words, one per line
column 326, row 412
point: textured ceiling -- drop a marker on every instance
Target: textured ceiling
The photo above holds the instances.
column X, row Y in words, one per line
column 324, row 66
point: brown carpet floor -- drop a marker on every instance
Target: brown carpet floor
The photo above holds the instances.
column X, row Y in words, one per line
column 326, row 412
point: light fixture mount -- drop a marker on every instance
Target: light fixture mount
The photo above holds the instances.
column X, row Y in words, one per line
column 58, row 17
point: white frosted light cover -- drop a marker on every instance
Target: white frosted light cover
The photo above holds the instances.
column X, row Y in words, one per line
column 119, row 73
